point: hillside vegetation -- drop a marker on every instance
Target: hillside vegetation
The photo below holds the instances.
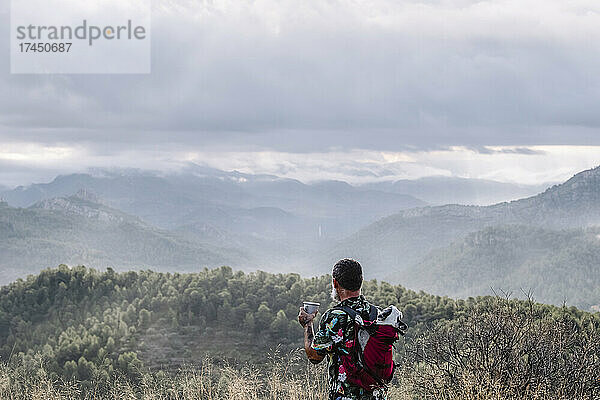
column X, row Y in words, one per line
column 418, row 246
column 75, row 230
column 555, row 266
column 83, row 333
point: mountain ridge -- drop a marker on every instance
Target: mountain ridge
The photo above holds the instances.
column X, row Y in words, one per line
column 170, row 200
column 441, row 190
column 555, row 265
column 76, row 231
column 403, row 239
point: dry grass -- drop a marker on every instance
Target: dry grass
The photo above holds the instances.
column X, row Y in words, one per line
column 420, row 383
column 209, row 381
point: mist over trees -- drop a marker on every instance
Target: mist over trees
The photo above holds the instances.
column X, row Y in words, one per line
column 555, row 266
column 75, row 230
column 546, row 243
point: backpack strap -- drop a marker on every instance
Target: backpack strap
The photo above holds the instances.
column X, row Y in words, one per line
column 353, row 313
column 373, row 312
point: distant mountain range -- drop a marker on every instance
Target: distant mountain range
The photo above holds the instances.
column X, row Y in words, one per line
column 403, row 247
column 242, row 220
column 205, row 217
column 261, row 206
column 440, row 190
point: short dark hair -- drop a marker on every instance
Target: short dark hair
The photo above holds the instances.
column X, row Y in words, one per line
column 348, row 273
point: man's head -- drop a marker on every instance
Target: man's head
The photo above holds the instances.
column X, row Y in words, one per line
column 347, row 279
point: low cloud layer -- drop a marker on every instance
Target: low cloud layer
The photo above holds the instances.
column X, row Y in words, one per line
column 536, row 165
column 287, row 77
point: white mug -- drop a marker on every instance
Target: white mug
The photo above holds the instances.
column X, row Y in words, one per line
column 311, row 307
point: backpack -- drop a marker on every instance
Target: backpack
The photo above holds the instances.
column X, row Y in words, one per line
column 369, row 362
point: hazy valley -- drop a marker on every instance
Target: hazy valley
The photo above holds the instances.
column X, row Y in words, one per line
column 203, row 217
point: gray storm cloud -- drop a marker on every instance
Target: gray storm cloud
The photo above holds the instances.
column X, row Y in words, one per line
column 300, row 76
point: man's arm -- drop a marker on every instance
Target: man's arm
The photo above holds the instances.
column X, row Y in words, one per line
column 306, row 320
column 311, row 353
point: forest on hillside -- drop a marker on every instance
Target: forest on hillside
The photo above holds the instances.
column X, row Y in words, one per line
column 91, row 329
column 556, row 266
column 74, row 230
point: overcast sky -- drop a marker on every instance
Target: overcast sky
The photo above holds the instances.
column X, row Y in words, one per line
column 346, row 89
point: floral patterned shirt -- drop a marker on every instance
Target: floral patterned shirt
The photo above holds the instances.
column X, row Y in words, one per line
column 334, row 335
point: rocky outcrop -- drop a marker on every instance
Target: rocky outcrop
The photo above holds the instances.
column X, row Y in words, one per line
column 76, row 205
